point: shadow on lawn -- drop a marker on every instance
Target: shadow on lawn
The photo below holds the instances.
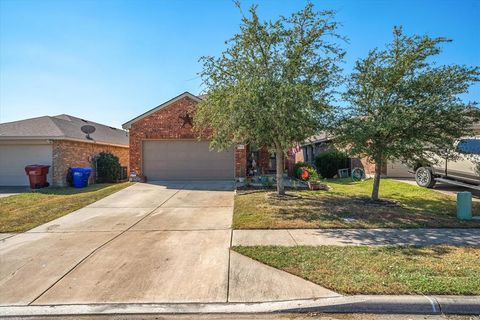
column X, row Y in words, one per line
column 71, row 190
column 415, row 251
column 357, row 212
column 412, row 237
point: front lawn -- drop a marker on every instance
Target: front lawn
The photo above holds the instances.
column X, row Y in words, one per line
column 378, row 270
column 346, row 205
column 25, row 211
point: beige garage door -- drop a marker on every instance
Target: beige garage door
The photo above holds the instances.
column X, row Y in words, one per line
column 185, row 160
column 14, row 158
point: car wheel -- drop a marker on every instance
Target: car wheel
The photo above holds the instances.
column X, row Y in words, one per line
column 424, row 177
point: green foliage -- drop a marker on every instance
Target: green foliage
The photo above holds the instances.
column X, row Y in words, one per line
column 273, row 84
column 312, row 174
column 328, row 163
column 297, row 169
column 443, row 270
column 108, row 167
column 402, row 105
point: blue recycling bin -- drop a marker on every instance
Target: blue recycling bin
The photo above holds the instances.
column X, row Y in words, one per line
column 80, row 177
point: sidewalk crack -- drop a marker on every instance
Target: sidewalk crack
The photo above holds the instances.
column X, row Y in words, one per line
column 294, row 241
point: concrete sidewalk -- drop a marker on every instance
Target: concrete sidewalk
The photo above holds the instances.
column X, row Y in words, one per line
column 356, row 237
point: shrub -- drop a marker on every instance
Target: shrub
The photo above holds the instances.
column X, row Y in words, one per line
column 108, row 167
column 328, row 163
column 297, row 169
column 312, row 174
column 301, row 167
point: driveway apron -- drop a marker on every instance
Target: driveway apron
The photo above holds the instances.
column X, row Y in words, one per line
column 155, row 242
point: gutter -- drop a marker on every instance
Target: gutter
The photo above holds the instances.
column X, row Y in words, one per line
column 378, row 304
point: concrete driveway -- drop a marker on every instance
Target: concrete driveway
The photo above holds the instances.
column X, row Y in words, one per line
column 156, row 242
column 149, row 243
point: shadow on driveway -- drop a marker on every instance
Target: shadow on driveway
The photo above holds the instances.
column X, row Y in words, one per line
column 203, row 185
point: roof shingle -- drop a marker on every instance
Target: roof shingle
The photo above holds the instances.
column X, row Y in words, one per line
column 61, row 127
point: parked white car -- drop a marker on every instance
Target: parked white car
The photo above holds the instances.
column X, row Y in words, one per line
column 462, row 167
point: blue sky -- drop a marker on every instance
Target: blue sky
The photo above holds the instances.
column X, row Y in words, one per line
column 111, row 60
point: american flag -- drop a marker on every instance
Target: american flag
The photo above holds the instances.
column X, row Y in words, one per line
column 296, row 148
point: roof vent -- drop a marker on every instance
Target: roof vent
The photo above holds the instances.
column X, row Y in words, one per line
column 88, row 129
column 113, row 128
column 84, row 120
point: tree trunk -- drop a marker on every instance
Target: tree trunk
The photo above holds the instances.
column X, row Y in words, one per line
column 280, row 186
column 376, row 180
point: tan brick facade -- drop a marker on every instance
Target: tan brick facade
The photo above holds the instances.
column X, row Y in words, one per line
column 167, row 123
column 71, row 154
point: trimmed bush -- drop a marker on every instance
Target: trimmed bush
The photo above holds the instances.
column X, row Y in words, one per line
column 328, row 163
column 108, row 167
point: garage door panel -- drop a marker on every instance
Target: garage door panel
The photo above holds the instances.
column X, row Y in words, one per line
column 185, row 160
column 14, row 158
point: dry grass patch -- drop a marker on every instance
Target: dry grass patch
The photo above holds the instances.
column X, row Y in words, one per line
column 346, row 205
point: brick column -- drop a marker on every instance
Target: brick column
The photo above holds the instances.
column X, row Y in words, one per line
column 241, row 151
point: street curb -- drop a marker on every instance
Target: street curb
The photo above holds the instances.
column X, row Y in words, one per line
column 467, row 305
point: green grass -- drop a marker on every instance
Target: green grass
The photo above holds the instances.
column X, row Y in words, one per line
column 379, row 270
column 25, row 211
column 346, row 206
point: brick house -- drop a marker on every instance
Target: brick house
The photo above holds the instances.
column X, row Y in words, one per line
column 56, row 141
column 163, row 146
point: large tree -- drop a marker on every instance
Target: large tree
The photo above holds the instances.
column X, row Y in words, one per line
column 401, row 105
column 273, row 84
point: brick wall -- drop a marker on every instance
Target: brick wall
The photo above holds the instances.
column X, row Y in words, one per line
column 71, row 154
column 167, row 124
column 264, row 160
column 241, row 152
column 368, row 166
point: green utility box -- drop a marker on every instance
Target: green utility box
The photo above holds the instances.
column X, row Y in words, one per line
column 464, row 205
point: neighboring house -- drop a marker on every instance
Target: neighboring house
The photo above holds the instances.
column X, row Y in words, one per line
column 56, row 141
column 163, row 146
column 323, row 142
column 312, row 147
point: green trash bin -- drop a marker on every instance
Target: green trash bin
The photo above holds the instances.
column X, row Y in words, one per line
column 464, row 205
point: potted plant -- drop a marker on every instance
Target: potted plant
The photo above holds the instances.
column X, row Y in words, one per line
column 314, row 184
column 313, row 180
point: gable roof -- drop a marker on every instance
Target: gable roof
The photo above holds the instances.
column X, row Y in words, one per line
column 128, row 124
column 61, row 127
